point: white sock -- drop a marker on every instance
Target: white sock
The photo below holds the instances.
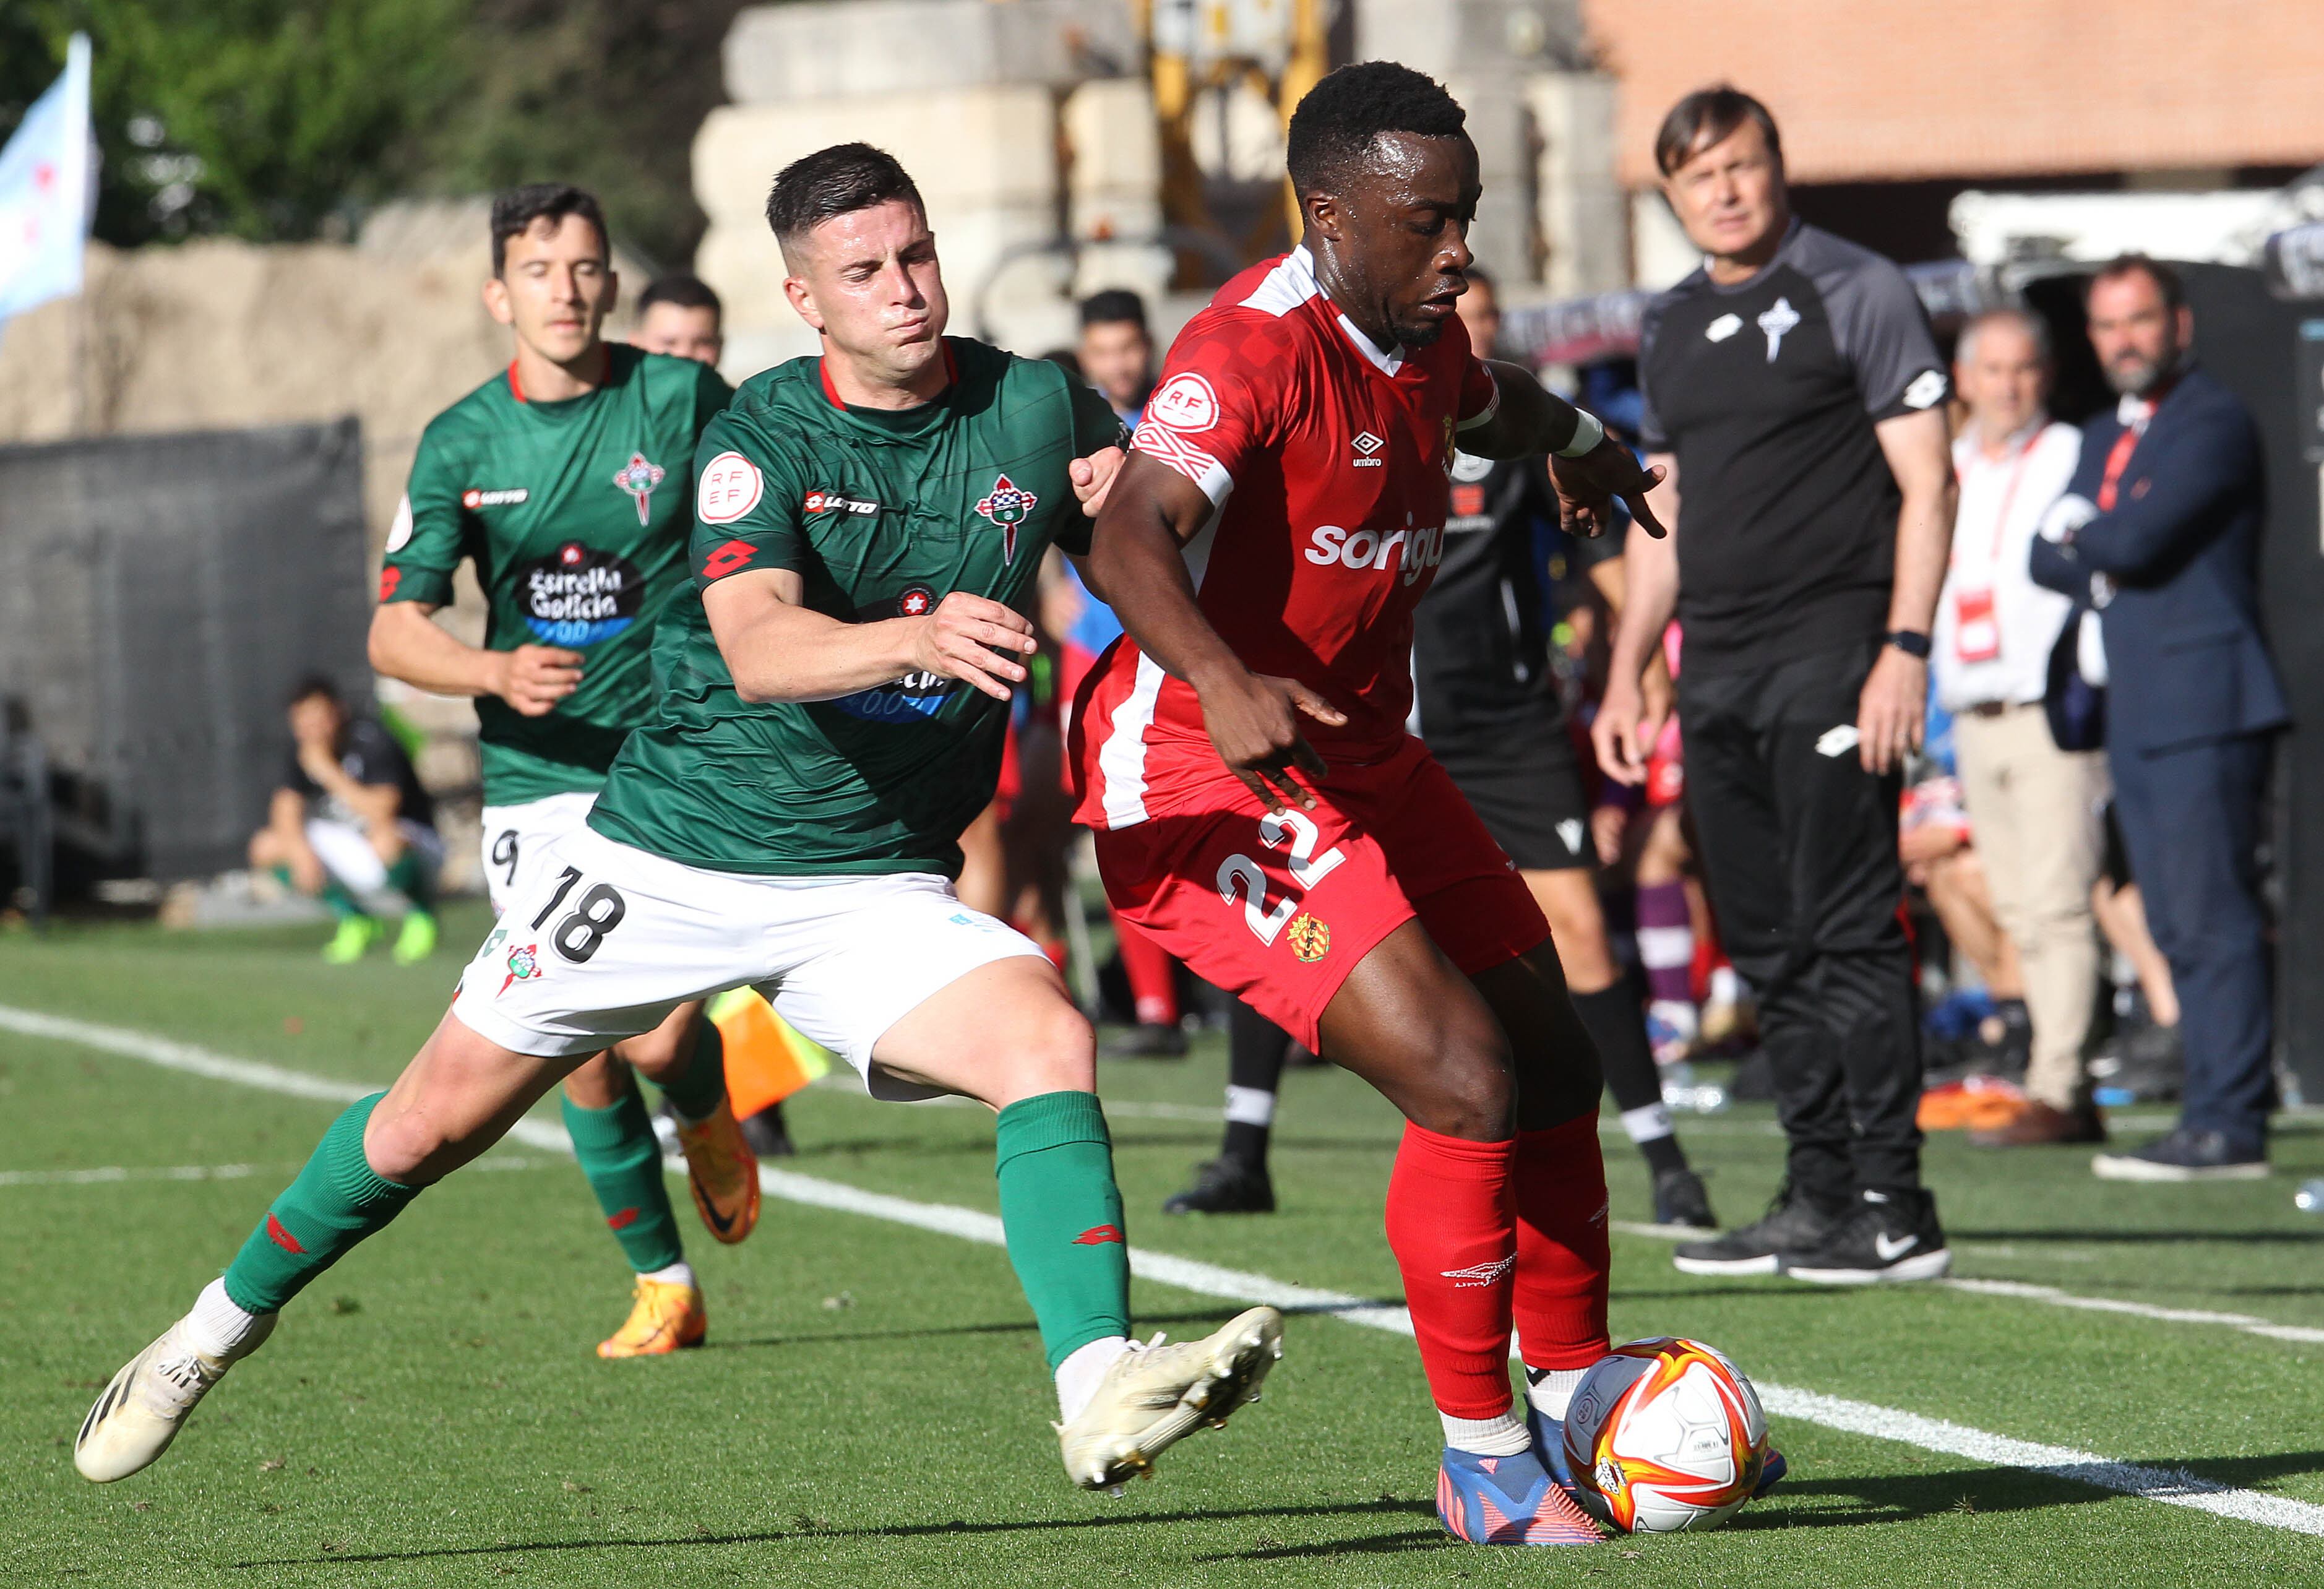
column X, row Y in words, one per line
column 1648, row 1123
column 680, row 1274
column 219, row 1326
column 1083, row 1368
column 1552, row 1392
column 1725, row 987
column 1250, row 1105
column 1501, row 1435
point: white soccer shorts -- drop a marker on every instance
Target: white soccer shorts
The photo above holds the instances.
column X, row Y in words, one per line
column 344, row 850
column 517, row 837
column 604, row 940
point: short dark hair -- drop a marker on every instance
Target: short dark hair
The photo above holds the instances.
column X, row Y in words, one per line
column 2166, row 281
column 312, row 684
column 681, row 292
column 1113, row 307
column 515, row 211
column 1707, row 116
column 834, row 182
column 1336, row 124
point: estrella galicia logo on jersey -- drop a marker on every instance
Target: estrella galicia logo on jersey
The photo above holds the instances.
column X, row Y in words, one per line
column 916, row 695
column 475, row 497
column 1007, row 504
column 579, row 595
column 639, row 477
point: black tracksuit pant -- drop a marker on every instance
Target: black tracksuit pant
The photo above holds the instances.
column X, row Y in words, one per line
column 1799, row 845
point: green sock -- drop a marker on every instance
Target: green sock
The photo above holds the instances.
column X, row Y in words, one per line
column 411, row 877
column 343, row 902
column 619, row 1154
column 701, row 1081
column 338, row 1200
column 1061, row 1212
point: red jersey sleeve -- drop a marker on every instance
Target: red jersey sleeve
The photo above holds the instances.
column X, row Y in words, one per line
column 1218, row 403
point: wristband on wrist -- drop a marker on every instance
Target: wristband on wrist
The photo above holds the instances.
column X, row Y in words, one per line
column 1588, row 432
column 1911, row 641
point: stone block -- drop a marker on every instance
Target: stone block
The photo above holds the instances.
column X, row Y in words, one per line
column 989, row 146
column 1460, row 38
column 841, row 49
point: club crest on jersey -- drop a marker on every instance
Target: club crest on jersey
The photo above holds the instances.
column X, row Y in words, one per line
column 639, row 477
column 523, row 965
column 1310, row 939
column 1007, row 504
column 1775, row 322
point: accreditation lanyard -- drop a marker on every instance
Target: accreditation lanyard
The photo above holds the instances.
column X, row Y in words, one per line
column 1977, row 625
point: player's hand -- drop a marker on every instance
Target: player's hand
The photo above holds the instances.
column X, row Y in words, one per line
column 1624, row 732
column 1092, row 477
column 532, row 678
column 1254, row 721
column 974, row 639
column 1588, row 486
column 1889, row 712
column 316, row 762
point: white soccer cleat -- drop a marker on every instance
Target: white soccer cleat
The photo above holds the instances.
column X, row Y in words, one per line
column 146, row 1403
column 1155, row 1395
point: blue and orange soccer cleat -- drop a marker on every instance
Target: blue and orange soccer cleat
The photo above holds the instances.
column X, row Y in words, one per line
column 1508, row 1501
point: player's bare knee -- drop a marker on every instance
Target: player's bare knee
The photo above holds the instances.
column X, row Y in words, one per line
column 598, row 1082
column 1468, row 1088
column 1048, row 1048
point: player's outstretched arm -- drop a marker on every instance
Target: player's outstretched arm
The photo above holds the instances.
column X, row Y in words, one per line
column 406, row 643
column 777, row 650
column 1136, row 556
column 1627, row 726
column 1529, row 420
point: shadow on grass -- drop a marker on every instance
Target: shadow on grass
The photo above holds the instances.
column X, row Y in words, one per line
column 1210, row 1316
column 1386, row 1506
column 1838, row 1502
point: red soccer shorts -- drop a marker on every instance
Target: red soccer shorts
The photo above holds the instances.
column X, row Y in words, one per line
column 1280, row 909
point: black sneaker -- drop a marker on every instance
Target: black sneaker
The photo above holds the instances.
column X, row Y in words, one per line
column 2185, row 1156
column 1156, row 1041
column 1793, row 1222
column 1890, row 1236
column 768, row 1136
column 1226, row 1186
column 1681, row 1202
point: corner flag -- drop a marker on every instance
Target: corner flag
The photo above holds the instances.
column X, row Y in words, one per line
column 46, row 185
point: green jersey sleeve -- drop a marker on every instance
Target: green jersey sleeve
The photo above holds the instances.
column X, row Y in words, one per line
column 428, row 539
column 711, row 396
column 746, row 509
column 1095, row 426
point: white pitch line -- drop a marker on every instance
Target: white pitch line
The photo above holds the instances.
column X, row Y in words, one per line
column 2171, row 1487
column 117, row 1172
column 2021, row 1291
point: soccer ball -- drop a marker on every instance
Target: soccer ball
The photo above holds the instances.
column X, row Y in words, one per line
column 1664, row 1434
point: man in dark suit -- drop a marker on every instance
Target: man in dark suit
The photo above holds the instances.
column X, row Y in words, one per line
column 2160, row 533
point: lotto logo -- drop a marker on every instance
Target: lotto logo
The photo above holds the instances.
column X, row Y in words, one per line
column 726, row 558
column 731, row 486
column 473, row 498
column 1423, row 548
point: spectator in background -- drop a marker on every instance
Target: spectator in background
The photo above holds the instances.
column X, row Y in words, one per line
column 1794, row 393
column 349, row 822
column 681, row 315
column 1117, row 352
column 2158, row 532
column 2033, row 807
column 1116, row 355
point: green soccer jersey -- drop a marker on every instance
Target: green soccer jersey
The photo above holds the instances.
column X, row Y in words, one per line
column 577, row 515
column 883, row 514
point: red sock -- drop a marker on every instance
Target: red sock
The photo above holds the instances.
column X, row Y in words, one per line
column 1560, row 1300
column 1449, row 1220
column 1153, row 975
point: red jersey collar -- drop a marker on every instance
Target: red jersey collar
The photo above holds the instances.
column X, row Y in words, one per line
column 516, row 387
column 822, row 373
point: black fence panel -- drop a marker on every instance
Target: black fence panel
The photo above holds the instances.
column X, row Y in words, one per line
column 159, row 596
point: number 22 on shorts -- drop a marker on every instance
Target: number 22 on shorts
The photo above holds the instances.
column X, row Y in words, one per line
column 1307, row 867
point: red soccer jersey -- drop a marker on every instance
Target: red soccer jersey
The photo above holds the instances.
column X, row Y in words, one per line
column 1328, row 460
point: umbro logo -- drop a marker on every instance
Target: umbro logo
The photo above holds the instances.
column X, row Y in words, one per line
column 1775, row 322
column 1478, row 1274
column 1367, row 446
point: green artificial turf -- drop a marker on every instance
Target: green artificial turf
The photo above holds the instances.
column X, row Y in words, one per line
column 872, row 1407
